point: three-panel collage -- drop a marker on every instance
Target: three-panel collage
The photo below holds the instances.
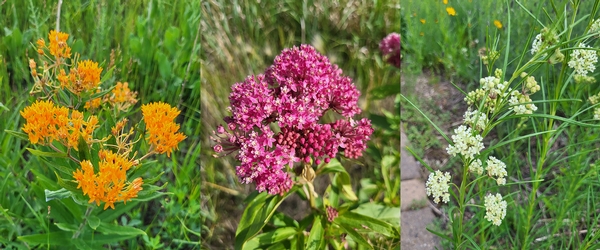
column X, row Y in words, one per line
column 299, row 124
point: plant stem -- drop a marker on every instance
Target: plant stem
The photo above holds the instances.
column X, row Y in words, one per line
column 87, row 213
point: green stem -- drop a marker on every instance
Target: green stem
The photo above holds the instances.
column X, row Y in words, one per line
column 80, row 229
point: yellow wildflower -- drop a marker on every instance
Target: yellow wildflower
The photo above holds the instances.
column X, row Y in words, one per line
column 498, row 24
column 421, row 34
column 162, row 131
column 451, row 11
column 445, row 1
column 110, row 184
column 423, row 21
column 58, row 44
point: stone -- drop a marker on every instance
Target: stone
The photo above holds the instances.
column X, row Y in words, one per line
column 413, row 194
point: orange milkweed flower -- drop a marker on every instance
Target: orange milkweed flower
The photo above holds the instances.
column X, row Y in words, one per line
column 122, row 97
column 43, row 121
column 161, row 130
column 85, row 77
column 451, row 11
column 58, row 44
column 110, row 184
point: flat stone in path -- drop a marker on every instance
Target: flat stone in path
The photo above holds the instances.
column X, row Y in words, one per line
column 414, row 233
column 413, row 194
column 409, row 169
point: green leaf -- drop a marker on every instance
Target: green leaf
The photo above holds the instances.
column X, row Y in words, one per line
column 84, row 150
column 68, row 184
column 360, row 221
column 164, row 66
column 355, row 235
column 315, row 238
column 381, row 212
column 342, row 179
column 93, row 222
column 66, row 227
column 58, row 194
column 47, row 154
column 111, row 229
column 1, row 104
column 334, row 166
column 385, row 91
column 105, row 78
column 271, row 237
column 18, row 134
column 256, row 215
column 380, row 121
column 55, row 238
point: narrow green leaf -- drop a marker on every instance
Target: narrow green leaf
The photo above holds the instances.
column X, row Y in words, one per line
column 55, row 238
column 334, row 166
column 385, row 91
column 271, row 237
column 360, row 221
column 342, row 180
column 18, row 134
column 256, row 215
column 58, row 194
column 315, row 238
column 381, row 212
column 355, row 236
column 66, row 227
column 66, row 184
column 46, row 154
column 111, row 229
column 105, row 78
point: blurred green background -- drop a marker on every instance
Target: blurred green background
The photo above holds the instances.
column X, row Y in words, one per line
column 241, row 38
column 153, row 45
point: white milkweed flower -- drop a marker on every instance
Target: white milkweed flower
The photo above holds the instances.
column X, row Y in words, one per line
column 531, row 84
column 597, row 114
column 495, row 209
column 595, row 28
column 476, row 167
column 537, row 44
column 476, row 119
column 583, row 60
column 437, row 186
column 516, row 101
column 497, row 168
column 595, row 98
column 465, row 143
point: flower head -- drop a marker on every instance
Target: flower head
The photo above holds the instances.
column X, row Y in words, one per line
column 583, row 60
column 85, row 77
column 465, row 143
column 58, row 44
column 495, row 209
column 390, row 46
column 122, row 97
column 437, row 186
column 451, row 11
column 498, row 24
column 109, row 184
column 43, row 121
column 497, row 168
column 160, row 127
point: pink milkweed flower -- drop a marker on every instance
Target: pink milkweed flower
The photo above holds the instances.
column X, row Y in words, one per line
column 390, row 46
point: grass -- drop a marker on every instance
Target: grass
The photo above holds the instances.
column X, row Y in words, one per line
column 153, row 45
column 242, row 38
column 553, row 178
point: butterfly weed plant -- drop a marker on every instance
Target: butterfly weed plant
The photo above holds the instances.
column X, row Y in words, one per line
column 527, row 177
column 96, row 157
column 282, row 138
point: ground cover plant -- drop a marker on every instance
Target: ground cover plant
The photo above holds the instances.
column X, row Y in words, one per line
column 244, row 39
column 100, row 145
column 523, row 158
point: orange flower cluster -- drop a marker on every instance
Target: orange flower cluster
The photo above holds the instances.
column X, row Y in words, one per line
column 58, row 45
column 110, row 184
column 85, row 77
column 120, row 97
column 161, row 128
column 46, row 123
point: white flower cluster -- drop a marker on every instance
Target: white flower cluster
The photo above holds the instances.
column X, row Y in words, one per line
column 537, row 44
column 437, row 186
column 543, row 40
column 597, row 114
column 531, row 85
column 497, row 168
column 583, row 60
column 491, row 86
column 516, row 101
column 495, row 209
column 476, row 119
column 465, row 143
column 595, row 99
column 595, row 28
column 476, row 167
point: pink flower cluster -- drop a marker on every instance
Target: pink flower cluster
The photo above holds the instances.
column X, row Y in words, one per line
column 295, row 92
column 390, row 46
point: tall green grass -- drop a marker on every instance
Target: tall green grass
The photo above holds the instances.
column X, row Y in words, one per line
column 153, row 45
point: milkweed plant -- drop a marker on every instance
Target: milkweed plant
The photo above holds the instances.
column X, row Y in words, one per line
column 287, row 126
column 95, row 156
column 528, row 104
